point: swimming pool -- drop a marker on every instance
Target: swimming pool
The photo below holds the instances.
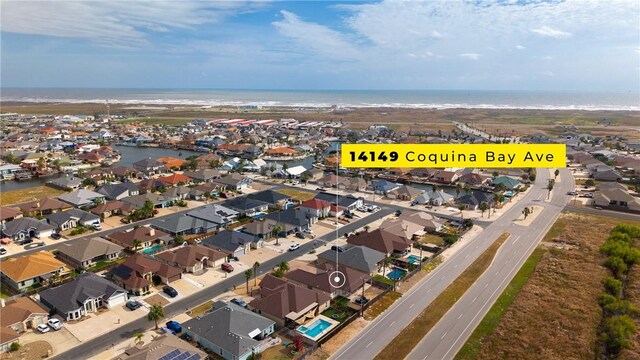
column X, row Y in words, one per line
column 396, row 274
column 259, row 215
column 315, row 329
column 413, row 259
column 151, row 249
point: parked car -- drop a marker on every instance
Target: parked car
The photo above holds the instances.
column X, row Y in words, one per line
column 97, row 227
column 337, row 248
column 308, row 231
column 170, row 291
column 132, row 304
column 55, row 324
column 3, row 251
column 294, row 247
column 362, row 208
column 572, row 193
column 587, row 195
column 348, row 215
column 361, row 300
column 43, row 328
column 174, row 326
column 227, row 267
column 56, row 236
column 300, row 235
column 239, row 302
column 320, row 189
column 375, row 208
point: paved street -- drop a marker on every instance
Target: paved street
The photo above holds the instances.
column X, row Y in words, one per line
column 452, row 331
column 608, row 213
column 91, row 347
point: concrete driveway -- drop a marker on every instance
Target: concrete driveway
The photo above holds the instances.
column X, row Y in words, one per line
column 61, row 340
column 104, row 322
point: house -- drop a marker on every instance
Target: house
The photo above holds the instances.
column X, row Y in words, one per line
column 275, row 199
column 405, row 192
column 472, row 200
column 87, row 253
column 234, row 181
column 175, row 194
column 445, row 177
column 315, row 208
column 230, row 331
column 173, row 163
column 382, row 241
column 25, row 271
column 25, row 229
column 427, row 221
column 159, row 201
column 291, row 220
column 182, row 224
column 382, row 187
column 606, row 175
column 203, row 176
column 218, row 215
column 194, row 258
column 115, row 207
column 86, row 294
column 318, row 278
column 67, row 220
column 118, row 191
column 349, row 202
column 436, row 198
column 174, row 180
column 246, row 206
column 143, row 237
column 260, row 230
column 149, row 167
column 165, row 347
column 43, row 207
column 138, row 272
column 234, row 242
column 616, row 197
column 286, row 302
column 360, row 258
column 403, row 228
column 508, row 182
column 472, row 179
column 22, row 314
column 8, row 213
column 82, row 198
column 66, row 183
column 124, row 173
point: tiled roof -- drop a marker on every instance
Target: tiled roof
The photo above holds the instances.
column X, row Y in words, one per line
column 30, row 266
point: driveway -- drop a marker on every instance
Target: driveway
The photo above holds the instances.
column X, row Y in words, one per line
column 104, row 322
column 61, row 340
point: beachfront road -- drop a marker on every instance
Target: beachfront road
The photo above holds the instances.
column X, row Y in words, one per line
column 125, row 332
column 446, row 338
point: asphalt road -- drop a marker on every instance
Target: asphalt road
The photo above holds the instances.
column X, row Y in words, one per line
column 451, row 332
column 607, row 213
column 103, row 342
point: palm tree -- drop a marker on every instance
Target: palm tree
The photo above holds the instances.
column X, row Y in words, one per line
column 256, row 265
column 276, row 230
column 461, row 207
column 526, row 211
column 283, row 266
column 386, row 262
column 466, row 188
column 137, row 337
column 247, row 275
column 434, row 188
column 550, row 185
column 366, row 228
column 556, row 173
column 156, row 312
column 483, row 207
column 136, row 244
column 458, row 189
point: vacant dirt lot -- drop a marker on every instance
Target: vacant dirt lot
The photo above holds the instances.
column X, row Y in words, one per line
column 556, row 314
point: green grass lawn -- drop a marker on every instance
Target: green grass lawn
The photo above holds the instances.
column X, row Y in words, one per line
column 331, row 311
column 492, row 319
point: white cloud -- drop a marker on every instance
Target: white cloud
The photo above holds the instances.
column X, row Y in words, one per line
column 551, row 32
column 116, row 23
column 320, row 39
column 470, row 56
column 520, row 47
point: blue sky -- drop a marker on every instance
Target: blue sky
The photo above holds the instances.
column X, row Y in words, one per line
column 587, row 45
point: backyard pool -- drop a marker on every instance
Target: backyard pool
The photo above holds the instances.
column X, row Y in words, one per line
column 152, row 249
column 413, row 259
column 314, row 330
column 396, row 274
column 509, row 193
column 259, row 215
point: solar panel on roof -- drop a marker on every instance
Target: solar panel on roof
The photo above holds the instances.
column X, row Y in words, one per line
column 194, row 357
column 170, row 355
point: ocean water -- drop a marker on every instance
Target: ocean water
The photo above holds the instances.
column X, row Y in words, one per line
column 438, row 99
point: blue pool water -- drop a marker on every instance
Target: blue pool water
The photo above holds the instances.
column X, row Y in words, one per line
column 259, row 215
column 315, row 329
column 414, row 259
column 509, row 193
column 396, row 274
column 151, row 249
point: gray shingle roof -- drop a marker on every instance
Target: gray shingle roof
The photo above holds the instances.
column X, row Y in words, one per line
column 89, row 249
column 71, row 296
column 357, row 257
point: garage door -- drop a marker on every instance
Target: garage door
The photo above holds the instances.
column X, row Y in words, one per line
column 118, row 299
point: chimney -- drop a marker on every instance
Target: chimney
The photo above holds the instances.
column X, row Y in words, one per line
column 152, row 231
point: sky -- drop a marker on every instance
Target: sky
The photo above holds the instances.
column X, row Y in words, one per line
column 585, row 45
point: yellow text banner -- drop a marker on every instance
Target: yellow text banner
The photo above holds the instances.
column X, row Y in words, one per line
column 453, row 155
